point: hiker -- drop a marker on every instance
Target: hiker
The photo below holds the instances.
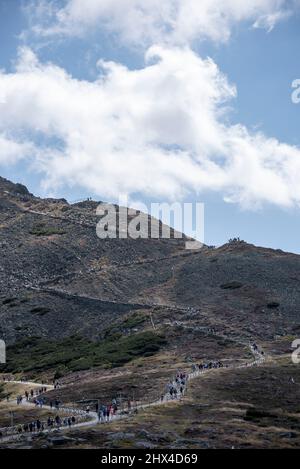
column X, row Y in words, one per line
column 51, row 404
column 25, row 427
column 103, row 413
column 115, row 407
column 73, row 419
column 69, row 422
column 87, row 409
column 58, row 421
column 38, row 425
column 26, row 395
column 108, row 412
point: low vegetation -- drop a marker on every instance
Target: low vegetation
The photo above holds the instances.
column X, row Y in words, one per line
column 77, row 353
column 231, row 285
column 40, row 310
column 43, row 230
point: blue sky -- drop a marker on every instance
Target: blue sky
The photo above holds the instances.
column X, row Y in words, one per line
column 261, row 65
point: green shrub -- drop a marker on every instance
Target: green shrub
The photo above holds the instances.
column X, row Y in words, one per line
column 257, row 414
column 273, row 305
column 231, row 285
column 43, row 230
column 9, row 301
column 76, row 353
column 40, row 310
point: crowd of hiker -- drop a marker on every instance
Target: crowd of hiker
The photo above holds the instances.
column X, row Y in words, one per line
column 207, row 366
column 38, row 426
column 107, row 412
column 176, row 388
column 256, row 349
column 39, row 400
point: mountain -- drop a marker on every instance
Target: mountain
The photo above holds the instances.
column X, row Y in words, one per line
column 58, row 278
column 118, row 317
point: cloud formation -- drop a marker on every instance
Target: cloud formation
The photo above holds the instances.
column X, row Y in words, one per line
column 145, row 22
column 161, row 131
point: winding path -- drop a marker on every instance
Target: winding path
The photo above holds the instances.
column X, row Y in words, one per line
column 92, row 417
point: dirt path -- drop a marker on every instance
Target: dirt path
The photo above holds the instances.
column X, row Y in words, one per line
column 92, row 417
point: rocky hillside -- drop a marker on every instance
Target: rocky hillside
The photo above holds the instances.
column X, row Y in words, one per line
column 58, row 279
column 119, row 317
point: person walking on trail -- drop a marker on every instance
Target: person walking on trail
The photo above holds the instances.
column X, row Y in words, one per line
column 69, row 422
column 114, row 407
column 104, row 413
column 38, row 425
column 109, row 413
column 51, row 404
column 58, row 421
column 27, row 395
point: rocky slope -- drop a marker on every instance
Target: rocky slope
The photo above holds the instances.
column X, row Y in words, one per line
column 118, row 318
column 58, row 279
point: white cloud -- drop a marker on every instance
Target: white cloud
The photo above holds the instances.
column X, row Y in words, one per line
column 154, row 21
column 12, row 151
column 160, row 131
